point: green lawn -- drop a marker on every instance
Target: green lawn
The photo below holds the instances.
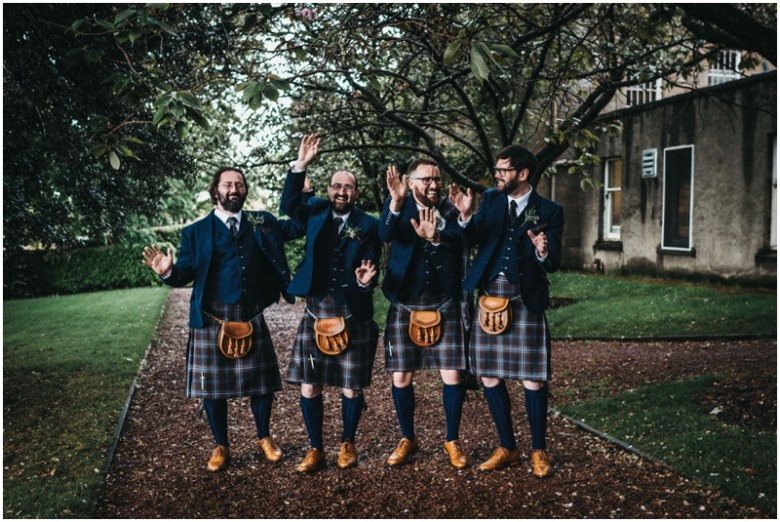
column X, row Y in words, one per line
column 664, row 420
column 610, row 306
column 68, row 363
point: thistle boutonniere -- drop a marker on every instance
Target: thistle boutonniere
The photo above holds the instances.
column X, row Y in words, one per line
column 350, row 232
column 256, row 221
column 530, row 216
column 440, row 221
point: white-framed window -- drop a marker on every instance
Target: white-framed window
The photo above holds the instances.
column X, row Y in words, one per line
column 643, row 93
column 725, row 68
column 613, row 180
column 677, row 229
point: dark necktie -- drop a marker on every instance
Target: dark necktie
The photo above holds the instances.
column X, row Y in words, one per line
column 337, row 221
column 233, row 224
column 512, row 210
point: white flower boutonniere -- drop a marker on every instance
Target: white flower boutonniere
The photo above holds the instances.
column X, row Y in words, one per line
column 440, row 221
column 530, row 216
column 256, row 220
column 351, row 233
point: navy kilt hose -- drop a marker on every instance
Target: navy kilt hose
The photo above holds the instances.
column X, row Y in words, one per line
column 402, row 355
column 522, row 352
column 351, row 369
column 211, row 375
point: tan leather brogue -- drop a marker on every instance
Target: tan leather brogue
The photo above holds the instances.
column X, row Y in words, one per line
column 312, row 461
column 501, row 458
column 541, row 463
column 271, row 449
column 220, row 459
column 401, row 453
column 458, row 459
column 347, row 456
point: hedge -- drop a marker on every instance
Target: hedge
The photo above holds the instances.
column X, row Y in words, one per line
column 42, row 273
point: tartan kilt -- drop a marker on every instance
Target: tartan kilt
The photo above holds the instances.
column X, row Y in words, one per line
column 211, row 375
column 402, row 355
column 351, row 369
column 522, row 352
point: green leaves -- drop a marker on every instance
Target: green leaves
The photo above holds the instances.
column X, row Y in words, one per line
column 255, row 91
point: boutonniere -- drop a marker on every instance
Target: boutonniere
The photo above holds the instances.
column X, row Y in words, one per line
column 351, row 233
column 256, row 221
column 530, row 216
column 440, row 221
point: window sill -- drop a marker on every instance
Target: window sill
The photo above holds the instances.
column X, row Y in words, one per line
column 604, row 245
column 677, row 253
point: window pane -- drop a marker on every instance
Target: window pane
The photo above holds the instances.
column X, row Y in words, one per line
column 678, row 180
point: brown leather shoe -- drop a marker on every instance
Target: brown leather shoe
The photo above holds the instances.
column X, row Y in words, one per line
column 458, row 459
column 347, row 456
column 541, row 463
column 501, row 458
column 405, row 448
column 220, row 459
column 312, row 461
column 271, row 449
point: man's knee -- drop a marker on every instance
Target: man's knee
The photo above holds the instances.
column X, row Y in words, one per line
column 402, row 379
column 310, row 391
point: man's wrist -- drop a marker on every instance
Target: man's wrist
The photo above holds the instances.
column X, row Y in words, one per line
column 298, row 166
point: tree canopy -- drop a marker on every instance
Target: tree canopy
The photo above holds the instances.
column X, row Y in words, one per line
column 129, row 95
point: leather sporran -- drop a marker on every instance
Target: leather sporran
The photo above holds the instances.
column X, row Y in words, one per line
column 331, row 335
column 235, row 339
column 425, row 327
column 495, row 314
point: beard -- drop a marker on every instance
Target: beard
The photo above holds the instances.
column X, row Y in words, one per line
column 230, row 203
column 507, row 186
column 427, row 198
column 340, row 205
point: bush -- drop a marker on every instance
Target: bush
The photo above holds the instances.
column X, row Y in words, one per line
column 39, row 273
column 53, row 272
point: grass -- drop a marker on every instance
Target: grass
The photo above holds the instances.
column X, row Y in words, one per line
column 67, row 365
column 610, row 306
column 664, row 420
column 616, row 307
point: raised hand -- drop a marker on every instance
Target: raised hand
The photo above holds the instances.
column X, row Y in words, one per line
column 307, row 151
column 157, row 261
column 540, row 242
column 426, row 228
column 365, row 272
column 462, row 201
column 397, row 187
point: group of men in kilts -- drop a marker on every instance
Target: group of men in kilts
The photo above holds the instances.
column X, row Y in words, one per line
column 429, row 282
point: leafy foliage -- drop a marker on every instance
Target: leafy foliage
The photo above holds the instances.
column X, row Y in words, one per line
column 61, row 184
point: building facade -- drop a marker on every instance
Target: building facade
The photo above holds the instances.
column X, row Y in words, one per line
column 688, row 188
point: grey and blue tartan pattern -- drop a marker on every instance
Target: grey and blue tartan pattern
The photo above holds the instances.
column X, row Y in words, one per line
column 351, row 369
column 522, row 352
column 402, row 355
column 211, row 375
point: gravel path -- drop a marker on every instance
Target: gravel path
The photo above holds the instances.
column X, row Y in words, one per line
column 158, row 470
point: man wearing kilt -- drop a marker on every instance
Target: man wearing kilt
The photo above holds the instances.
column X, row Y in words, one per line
column 336, row 340
column 518, row 236
column 237, row 262
column 423, row 274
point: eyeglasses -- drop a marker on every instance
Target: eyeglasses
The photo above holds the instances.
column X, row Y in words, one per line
column 347, row 188
column 503, row 172
column 427, row 181
column 228, row 185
